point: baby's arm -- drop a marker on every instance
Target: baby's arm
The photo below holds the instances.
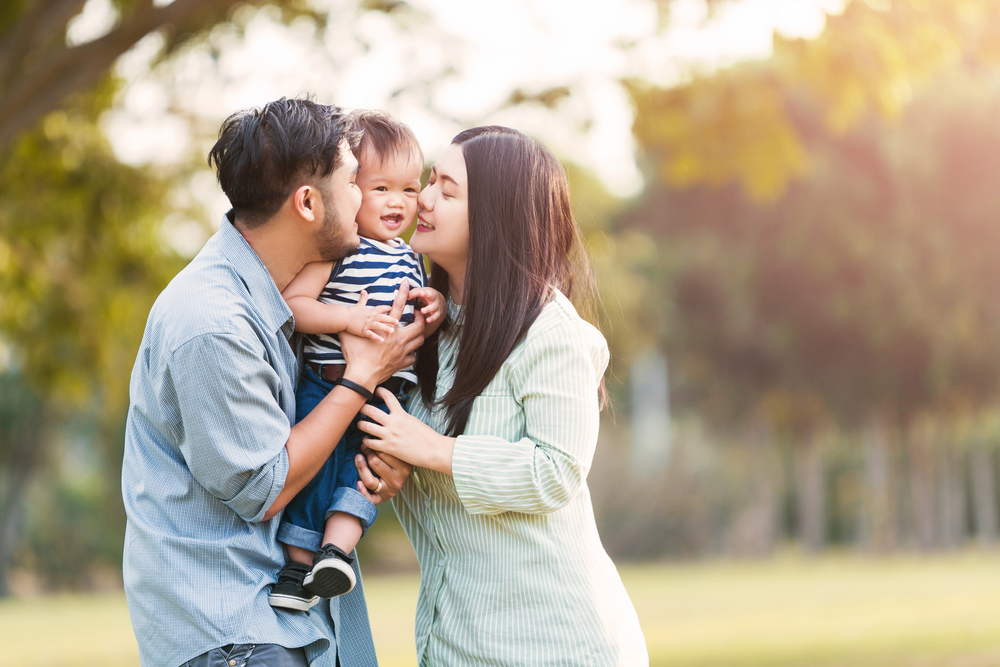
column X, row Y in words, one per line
column 312, row 316
column 435, row 309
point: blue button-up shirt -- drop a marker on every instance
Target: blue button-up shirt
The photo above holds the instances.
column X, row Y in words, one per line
column 212, row 403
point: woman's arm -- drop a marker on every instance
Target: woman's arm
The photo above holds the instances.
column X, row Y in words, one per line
column 555, row 380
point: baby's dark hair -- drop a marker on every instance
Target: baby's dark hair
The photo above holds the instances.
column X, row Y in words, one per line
column 385, row 137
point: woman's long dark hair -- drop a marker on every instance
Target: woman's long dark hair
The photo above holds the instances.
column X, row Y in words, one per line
column 523, row 242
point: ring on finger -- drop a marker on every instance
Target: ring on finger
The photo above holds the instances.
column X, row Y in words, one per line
column 379, row 487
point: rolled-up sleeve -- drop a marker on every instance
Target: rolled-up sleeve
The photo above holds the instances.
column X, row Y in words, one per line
column 555, row 383
column 232, row 427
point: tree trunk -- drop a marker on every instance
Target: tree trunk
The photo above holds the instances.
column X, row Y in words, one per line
column 878, row 521
column 810, row 496
column 755, row 528
column 953, row 524
column 23, row 421
column 11, row 504
column 984, row 496
column 920, row 468
column 24, row 456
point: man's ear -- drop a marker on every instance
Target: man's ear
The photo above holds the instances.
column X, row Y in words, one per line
column 307, row 203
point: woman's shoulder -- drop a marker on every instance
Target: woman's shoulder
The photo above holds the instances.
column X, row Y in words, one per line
column 560, row 313
column 559, row 326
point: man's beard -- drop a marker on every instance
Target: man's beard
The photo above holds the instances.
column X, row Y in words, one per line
column 332, row 239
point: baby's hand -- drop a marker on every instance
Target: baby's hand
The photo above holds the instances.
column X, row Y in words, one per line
column 435, row 307
column 369, row 322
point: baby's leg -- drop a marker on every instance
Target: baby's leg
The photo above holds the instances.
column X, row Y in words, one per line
column 342, row 530
column 300, row 555
column 347, row 517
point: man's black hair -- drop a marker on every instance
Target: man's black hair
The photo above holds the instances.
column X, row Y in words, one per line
column 263, row 154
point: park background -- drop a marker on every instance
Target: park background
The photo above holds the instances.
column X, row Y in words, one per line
column 792, row 209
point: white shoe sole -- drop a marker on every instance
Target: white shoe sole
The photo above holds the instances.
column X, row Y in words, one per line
column 290, row 602
column 329, row 578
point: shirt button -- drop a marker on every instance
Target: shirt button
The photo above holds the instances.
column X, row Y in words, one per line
column 232, row 663
column 441, row 562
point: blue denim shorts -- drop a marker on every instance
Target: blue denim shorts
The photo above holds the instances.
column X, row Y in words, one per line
column 334, row 488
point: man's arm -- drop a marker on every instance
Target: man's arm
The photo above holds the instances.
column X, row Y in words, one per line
column 369, row 362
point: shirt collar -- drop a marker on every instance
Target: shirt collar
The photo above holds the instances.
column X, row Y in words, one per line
column 264, row 293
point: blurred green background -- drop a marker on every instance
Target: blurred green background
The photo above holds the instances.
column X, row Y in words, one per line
column 792, row 209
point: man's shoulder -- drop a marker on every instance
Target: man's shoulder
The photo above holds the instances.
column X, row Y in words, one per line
column 206, row 297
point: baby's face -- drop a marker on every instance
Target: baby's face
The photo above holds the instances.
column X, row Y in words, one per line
column 388, row 195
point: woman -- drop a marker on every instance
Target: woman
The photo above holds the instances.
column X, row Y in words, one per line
column 503, row 429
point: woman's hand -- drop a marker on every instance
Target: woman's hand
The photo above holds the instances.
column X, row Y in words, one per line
column 405, row 437
column 392, row 474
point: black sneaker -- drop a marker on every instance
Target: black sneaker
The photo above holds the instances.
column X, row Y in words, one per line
column 289, row 592
column 331, row 574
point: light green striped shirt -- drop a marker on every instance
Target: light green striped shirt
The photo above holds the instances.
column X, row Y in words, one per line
column 512, row 568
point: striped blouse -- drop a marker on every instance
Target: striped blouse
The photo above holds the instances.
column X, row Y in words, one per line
column 377, row 268
column 512, row 567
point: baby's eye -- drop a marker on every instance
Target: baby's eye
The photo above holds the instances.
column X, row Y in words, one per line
column 413, row 190
column 381, row 188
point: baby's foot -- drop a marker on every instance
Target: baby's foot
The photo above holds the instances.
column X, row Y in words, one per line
column 289, row 592
column 331, row 574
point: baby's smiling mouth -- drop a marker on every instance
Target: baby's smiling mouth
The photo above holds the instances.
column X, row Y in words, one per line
column 393, row 219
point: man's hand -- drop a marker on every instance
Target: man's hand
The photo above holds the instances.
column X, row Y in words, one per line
column 370, row 322
column 370, row 362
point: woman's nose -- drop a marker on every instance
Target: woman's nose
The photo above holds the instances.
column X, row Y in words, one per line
column 424, row 199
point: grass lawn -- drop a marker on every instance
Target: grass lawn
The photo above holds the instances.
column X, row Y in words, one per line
column 833, row 611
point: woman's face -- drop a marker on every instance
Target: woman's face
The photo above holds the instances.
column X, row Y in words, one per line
column 443, row 217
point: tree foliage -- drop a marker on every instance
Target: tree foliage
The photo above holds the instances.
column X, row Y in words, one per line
column 846, row 271
column 746, row 123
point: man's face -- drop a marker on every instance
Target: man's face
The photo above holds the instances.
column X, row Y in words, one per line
column 338, row 236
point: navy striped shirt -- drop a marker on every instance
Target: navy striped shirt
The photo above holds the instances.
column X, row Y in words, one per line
column 378, row 268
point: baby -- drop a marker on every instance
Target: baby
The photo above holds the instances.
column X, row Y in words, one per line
column 355, row 294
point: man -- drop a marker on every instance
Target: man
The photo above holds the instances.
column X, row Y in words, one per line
column 211, row 452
